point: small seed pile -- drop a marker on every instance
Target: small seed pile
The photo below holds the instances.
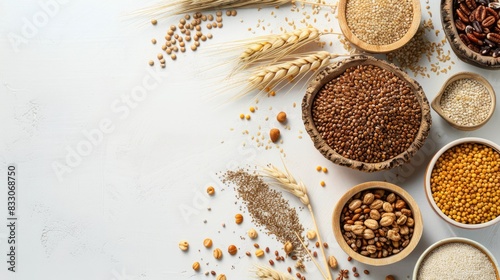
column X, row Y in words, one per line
column 478, row 25
column 367, row 114
column 267, row 207
column 188, row 32
column 466, row 102
column 377, row 224
column 456, row 261
column 379, row 22
column 465, row 183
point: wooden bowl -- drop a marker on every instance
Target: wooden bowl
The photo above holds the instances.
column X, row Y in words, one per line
column 337, row 69
column 417, row 216
column 427, row 181
column 436, row 103
column 459, row 48
column 417, row 16
column 477, row 245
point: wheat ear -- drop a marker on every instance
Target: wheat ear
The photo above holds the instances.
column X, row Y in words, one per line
column 268, row 46
column 264, row 272
column 269, row 76
column 287, row 182
column 168, row 8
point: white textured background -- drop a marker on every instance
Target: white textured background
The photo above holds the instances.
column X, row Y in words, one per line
column 118, row 211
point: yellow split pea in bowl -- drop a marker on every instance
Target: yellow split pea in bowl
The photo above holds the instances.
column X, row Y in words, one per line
column 462, row 183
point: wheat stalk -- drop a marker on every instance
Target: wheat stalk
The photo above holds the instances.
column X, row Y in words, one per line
column 269, row 76
column 170, row 7
column 263, row 272
column 267, row 46
column 287, row 182
column 167, row 8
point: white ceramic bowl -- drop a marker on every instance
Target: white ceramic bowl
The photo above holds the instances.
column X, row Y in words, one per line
column 454, row 240
column 427, row 181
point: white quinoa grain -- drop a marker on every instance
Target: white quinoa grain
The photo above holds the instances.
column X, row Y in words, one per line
column 466, row 102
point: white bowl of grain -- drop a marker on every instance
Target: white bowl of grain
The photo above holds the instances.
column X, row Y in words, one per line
column 456, row 258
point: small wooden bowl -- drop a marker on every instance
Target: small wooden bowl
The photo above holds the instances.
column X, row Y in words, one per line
column 337, row 69
column 456, row 44
column 436, row 103
column 417, row 216
column 417, row 16
column 427, row 181
column 455, row 240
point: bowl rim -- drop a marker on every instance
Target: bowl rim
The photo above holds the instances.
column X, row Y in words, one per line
column 417, row 216
column 448, row 240
column 459, row 48
column 337, row 69
column 427, row 178
column 412, row 30
column 435, row 104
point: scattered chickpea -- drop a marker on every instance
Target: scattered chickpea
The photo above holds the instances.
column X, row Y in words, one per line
column 274, row 134
column 173, row 56
column 281, row 117
column 322, row 183
column 252, row 109
column 159, row 56
column 217, row 254
column 238, row 218
column 210, row 190
column 325, row 170
column 259, row 253
column 153, row 41
column 193, row 47
column 247, row 117
column 151, row 63
column 232, row 250
column 318, row 168
column 207, row 242
column 154, row 21
column 242, row 116
column 183, row 245
column 234, row 13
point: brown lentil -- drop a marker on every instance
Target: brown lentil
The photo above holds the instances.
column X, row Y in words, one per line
column 379, row 22
column 367, row 114
column 465, row 183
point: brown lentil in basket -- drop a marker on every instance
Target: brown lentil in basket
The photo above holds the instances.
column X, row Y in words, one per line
column 367, row 114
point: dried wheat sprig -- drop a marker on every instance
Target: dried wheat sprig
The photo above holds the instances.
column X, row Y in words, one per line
column 266, row 46
column 264, row 272
column 269, row 76
column 170, row 7
column 287, row 182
